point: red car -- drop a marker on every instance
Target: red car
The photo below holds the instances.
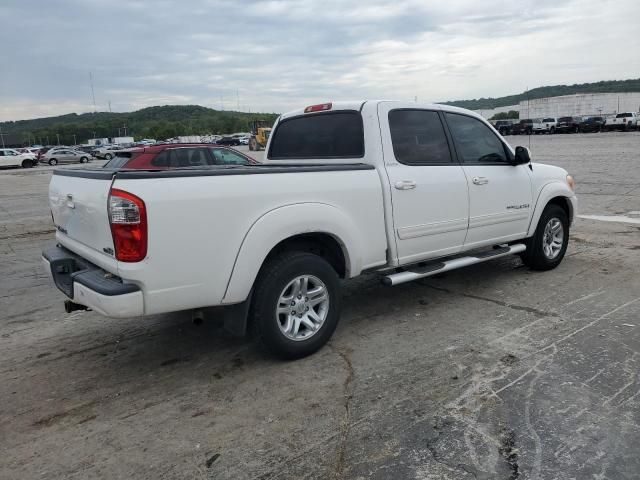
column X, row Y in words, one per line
column 178, row 155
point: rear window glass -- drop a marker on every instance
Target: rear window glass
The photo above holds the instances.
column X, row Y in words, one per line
column 182, row 157
column 549, row 119
column 418, row 137
column 326, row 135
column 564, row 119
column 624, row 115
column 121, row 159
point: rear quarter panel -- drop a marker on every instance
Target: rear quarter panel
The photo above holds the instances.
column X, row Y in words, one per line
column 197, row 226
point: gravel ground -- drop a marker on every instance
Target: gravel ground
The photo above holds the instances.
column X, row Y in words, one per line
column 493, row 372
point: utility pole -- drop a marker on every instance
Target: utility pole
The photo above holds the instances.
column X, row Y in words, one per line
column 74, row 139
column 238, row 98
column 124, row 127
column 2, row 136
column 93, row 95
column 58, row 135
column 109, row 106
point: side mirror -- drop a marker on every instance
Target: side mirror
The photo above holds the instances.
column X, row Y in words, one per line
column 523, row 156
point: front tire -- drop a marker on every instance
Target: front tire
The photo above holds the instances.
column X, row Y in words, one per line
column 108, row 156
column 27, row 164
column 295, row 305
column 546, row 248
column 53, row 161
column 84, row 159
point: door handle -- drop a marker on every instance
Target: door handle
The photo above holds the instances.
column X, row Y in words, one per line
column 405, row 185
column 480, row 180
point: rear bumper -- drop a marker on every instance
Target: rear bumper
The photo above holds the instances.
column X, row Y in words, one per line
column 91, row 286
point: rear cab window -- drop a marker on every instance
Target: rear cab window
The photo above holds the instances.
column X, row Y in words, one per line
column 337, row 134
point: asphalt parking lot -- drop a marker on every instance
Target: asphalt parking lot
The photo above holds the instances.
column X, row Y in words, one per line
column 493, row 372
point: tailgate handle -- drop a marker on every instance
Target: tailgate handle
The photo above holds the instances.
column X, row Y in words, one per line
column 70, row 203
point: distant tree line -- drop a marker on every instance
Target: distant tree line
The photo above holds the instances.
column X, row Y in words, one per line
column 606, row 86
column 154, row 122
column 510, row 115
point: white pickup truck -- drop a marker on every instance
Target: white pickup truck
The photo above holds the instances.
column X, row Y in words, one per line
column 545, row 125
column 623, row 121
column 401, row 189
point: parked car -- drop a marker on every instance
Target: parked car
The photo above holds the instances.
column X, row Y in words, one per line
column 504, row 126
column 10, row 157
column 231, row 141
column 168, row 156
column 568, row 124
column 592, row 124
column 273, row 240
column 106, row 152
column 244, row 140
column 524, row 126
column 623, row 121
column 545, row 125
column 54, row 157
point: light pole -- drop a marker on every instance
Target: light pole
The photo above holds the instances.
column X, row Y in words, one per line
column 2, row 136
column 58, row 136
column 74, row 139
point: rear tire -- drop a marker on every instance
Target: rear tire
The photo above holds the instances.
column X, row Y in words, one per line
column 108, row 156
column 546, row 248
column 285, row 317
column 53, row 161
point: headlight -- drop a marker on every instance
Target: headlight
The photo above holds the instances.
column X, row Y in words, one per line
column 571, row 182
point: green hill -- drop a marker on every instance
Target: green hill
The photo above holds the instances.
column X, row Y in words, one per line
column 606, row 86
column 153, row 122
column 173, row 120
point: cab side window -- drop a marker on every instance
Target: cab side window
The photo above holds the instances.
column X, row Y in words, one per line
column 418, row 137
column 474, row 141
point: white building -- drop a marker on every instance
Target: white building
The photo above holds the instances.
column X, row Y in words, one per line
column 579, row 104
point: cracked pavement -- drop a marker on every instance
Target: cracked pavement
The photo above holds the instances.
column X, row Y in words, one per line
column 492, row 372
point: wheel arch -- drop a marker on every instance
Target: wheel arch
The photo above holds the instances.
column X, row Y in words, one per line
column 556, row 193
column 314, row 227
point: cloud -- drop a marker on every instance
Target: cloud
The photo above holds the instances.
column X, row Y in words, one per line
column 276, row 55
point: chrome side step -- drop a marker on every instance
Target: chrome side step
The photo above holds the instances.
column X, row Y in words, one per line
column 446, row 265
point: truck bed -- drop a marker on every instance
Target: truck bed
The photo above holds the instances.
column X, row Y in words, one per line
column 200, row 219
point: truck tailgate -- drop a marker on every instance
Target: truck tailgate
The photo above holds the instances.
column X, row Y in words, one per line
column 79, row 200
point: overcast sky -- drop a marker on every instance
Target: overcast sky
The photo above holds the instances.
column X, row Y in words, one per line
column 279, row 55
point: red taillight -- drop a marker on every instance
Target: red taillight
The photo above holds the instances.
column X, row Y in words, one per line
column 128, row 219
column 322, row 107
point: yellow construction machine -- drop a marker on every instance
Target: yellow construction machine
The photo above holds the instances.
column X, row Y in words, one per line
column 260, row 131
